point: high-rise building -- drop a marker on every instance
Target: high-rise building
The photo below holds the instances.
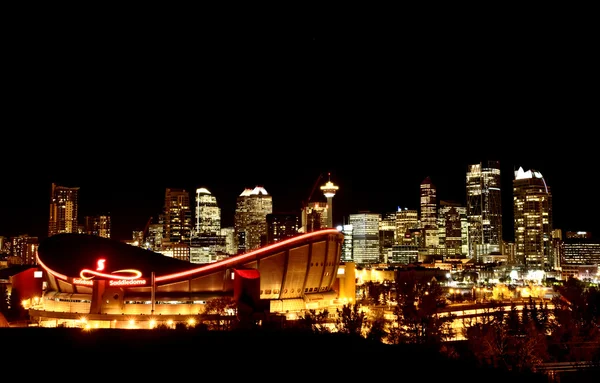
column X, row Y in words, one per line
column 250, row 220
column 484, row 209
column 406, row 220
column 208, row 213
column 177, row 217
column 365, row 238
column 453, row 227
column 97, row 225
column 281, row 226
column 314, row 217
column 207, row 242
column 428, row 214
column 532, row 206
column 25, row 248
column 63, row 210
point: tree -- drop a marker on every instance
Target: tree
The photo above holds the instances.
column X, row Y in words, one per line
column 314, row 321
column 4, row 300
column 16, row 310
column 222, row 308
column 350, row 320
column 419, row 319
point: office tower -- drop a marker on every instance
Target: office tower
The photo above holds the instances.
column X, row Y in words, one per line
column 329, row 190
column 281, row 226
column 97, row 225
column 365, row 238
column 346, row 254
column 532, row 206
column 387, row 235
column 25, row 247
column 230, row 243
column 484, row 209
column 250, row 220
column 177, row 217
column 314, row 217
column 453, row 230
column 208, row 213
column 406, row 220
column 63, row 210
column 207, row 242
column 429, row 212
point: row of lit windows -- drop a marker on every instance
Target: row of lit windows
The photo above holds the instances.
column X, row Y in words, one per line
column 285, row 291
column 69, row 300
column 166, row 302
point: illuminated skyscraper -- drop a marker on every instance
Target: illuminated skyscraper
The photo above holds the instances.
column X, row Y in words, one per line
column 177, row 218
column 484, row 209
column 429, row 212
column 406, row 220
column 250, row 220
column 63, row 210
column 208, row 213
column 365, row 238
column 533, row 219
column 329, row 190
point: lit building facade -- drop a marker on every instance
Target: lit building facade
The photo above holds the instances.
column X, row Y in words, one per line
column 281, row 226
column 250, row 220
column 206, row 243
column 25, row 248
column 97, row 225
column 347, row 230
column 532, row 206
column 314, row 217
column 177, row 217
column 406, row 220
column 64, row 209
column 429, row 212
column 208, row 213
column 484, row 209
column 365, row 238
column 453, row 227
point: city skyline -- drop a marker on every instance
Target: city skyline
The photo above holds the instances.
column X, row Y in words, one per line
column 130, row 203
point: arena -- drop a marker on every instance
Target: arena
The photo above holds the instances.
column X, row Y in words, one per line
column 99, row 282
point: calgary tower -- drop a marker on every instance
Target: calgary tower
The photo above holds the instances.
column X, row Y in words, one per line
column 329, row 190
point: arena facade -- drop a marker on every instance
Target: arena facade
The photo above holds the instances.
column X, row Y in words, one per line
column 105, row 283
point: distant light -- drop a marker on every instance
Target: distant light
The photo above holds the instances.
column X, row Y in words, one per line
column 37, row 274
column 339, row 228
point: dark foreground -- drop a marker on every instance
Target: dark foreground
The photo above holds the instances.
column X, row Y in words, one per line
column 268, row 356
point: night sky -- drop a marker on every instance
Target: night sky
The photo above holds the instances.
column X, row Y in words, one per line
column 124, row 108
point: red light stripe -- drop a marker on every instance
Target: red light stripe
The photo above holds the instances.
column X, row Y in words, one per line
column 57, row 275
column 244, row 257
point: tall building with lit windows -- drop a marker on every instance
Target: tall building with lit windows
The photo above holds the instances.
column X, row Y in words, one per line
column 63, row 210
column 207, row 244
column 250, row 219
column 365, row 238
column 208, row 213
column 532, row 207
column 406, row 220
column 177, row 218
column 453, row 228
column 428, row 213
column 484, row 209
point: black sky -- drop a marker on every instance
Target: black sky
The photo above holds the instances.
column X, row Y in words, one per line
column 124, row 107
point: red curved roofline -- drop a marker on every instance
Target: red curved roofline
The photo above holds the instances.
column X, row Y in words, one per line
column 243, row 257
column 236, row 260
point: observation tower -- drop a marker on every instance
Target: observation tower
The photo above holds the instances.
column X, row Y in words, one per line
column 329, row 190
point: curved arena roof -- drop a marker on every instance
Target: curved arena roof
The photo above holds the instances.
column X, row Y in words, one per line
column 76, row 258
